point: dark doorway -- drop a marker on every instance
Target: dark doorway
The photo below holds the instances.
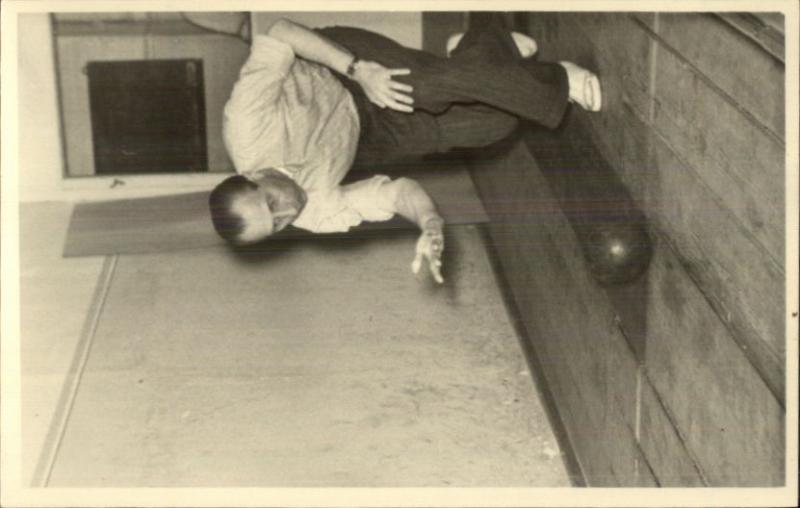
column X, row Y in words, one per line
column 148, row 116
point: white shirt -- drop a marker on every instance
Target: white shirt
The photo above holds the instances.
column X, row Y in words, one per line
column 293, row 114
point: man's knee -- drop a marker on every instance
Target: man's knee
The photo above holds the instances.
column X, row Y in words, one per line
column 474, row 127
column 504, row 125
column 497, row 127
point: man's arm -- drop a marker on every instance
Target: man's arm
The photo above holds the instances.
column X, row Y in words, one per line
column 251, row 126
column 413, row 203
column 375, row 79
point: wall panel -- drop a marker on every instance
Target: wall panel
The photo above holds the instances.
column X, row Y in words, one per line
column 729, row 419
column 715, row 49
column 40, row 142
column 733, row 272
column 741, row 165
column 665, row 449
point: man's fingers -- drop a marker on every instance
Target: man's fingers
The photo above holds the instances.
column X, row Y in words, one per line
column 400, row 87
column 429, row 250
column 435, row 264
column 437, row 246
column 399, row 97
column 401, row 107
column 399, row 72
column 417, row 263
column 436, row 271
column 377, row 100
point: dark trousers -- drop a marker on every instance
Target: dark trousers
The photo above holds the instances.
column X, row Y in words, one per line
column 472, row 99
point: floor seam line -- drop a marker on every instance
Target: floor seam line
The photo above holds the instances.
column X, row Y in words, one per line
column 69, row 391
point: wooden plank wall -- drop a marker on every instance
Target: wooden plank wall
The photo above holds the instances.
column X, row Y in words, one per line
column 694, row 124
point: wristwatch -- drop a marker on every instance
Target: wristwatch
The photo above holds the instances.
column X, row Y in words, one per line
column 351, row 69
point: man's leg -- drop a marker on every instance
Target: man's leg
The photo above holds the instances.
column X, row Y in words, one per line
column 473, row 126
column 392, row 137
column 484, row 69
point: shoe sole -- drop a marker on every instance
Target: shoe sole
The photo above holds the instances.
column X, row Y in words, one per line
column 596, row 93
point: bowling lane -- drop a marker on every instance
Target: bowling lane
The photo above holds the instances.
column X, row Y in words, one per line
column 313, row 364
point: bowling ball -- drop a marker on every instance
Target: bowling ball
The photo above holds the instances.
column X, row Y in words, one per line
column 616, row 252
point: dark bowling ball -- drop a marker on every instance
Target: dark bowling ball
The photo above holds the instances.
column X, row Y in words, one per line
column 617, row 252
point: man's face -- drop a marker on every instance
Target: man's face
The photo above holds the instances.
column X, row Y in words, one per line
column 271, row 207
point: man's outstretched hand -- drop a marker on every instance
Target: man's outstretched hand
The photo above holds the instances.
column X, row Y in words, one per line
column 381, row 89
column 429, row 248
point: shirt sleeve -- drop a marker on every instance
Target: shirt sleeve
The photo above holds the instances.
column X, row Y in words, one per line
column 347, row 206
column 370, row 198
column 251, row 114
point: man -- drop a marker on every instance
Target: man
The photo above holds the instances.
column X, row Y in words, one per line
column 294, row 126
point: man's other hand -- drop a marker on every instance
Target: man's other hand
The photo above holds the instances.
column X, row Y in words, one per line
column 381, row 89
column 429, row 248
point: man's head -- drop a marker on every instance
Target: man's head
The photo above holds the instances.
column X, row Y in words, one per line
column 248, row 208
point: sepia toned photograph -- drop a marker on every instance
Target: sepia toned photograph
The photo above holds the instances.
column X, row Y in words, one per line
column 536, row 248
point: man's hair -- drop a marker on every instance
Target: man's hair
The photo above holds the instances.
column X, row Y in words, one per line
column 228, row 224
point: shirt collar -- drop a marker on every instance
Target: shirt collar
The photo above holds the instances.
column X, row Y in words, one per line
column 284, row 171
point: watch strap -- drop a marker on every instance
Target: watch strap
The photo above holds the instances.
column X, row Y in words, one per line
column 351, row 69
